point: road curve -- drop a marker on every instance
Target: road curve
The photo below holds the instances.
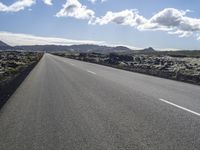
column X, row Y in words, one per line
column 66, row 104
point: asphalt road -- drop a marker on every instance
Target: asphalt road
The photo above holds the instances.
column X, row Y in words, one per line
column 70, row 105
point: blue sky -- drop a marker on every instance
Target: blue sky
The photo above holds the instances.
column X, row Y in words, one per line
column 163, row 24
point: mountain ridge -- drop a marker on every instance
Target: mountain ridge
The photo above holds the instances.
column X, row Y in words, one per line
column 4, row 46
column 83, row 48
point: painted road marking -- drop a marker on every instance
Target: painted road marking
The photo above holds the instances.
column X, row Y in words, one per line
column 71, row 64
column 91, row 72
column 180, row 107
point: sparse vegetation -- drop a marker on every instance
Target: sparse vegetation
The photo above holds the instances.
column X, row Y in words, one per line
column 12, row 62
column 14, row 67
column 181, row 66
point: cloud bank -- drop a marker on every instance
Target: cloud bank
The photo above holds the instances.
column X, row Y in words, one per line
column 26, row 39
column 15, row 39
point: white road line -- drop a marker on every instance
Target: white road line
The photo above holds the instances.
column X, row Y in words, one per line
column 91, row 72
column 180, row 107
column 71, row 64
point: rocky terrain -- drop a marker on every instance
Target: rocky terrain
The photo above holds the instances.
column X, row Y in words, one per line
column 14, row 67
column 182, row 68
column 178, row 65
column 12, row 62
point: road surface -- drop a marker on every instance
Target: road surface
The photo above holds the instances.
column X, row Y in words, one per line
column 66, row 104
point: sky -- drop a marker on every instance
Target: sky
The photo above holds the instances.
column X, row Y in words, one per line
column 161, row 24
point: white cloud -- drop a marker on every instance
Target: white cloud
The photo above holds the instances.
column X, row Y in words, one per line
column 20, row 5
column 26, row 39
column 73, row 8
column 173, row 21
column 126, row 17
column 48, row 2
column 94, row 1
column 16, row 6
column 170, row 20
column 16, row 39
column 103, row 1
column 168, row 17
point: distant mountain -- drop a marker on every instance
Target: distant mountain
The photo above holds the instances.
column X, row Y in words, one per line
column 4, row 46
column 84, row 48
column 150, row 49
column 47, row 48
column 121, row 48
column 89, row 48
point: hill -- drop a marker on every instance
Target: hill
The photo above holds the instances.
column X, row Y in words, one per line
column 90, row 48
column 84, row 48
column 4, row 46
